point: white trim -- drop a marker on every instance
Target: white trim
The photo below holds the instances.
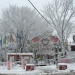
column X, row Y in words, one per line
column 20, row 54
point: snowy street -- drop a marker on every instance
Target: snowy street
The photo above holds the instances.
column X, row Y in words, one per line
column 39, row 70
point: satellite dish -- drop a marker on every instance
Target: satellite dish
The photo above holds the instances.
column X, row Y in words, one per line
column 74, row 38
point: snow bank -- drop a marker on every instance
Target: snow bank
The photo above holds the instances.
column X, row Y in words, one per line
column 40, row 70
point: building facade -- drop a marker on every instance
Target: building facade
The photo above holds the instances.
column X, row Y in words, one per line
column 43, row 46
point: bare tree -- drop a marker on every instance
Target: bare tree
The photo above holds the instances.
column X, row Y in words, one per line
column 23, row 22
column 61, row 15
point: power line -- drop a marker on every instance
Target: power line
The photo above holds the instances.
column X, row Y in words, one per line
column 40, row 13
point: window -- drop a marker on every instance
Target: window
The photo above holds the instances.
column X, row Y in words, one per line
column 73, row 48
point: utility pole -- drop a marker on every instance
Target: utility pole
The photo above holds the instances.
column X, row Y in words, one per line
column 56, row 55
column 62, row 39
column 35, row 56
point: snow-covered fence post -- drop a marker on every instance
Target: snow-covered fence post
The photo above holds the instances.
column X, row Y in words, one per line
column 23, row 64
column 8, row 65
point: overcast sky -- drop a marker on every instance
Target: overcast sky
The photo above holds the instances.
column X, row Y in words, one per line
column 37, row 3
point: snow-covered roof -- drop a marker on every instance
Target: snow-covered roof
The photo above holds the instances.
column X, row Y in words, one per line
column 72, row 43
column 19, row 53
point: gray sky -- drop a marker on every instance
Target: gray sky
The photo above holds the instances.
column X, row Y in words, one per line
column 37, row 3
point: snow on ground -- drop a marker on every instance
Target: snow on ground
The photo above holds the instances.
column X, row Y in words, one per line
column 15, row 70
column 39, row 70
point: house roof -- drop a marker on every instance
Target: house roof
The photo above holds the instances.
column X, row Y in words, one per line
column 35, row 39
column 54, row 38
column 72, row 43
